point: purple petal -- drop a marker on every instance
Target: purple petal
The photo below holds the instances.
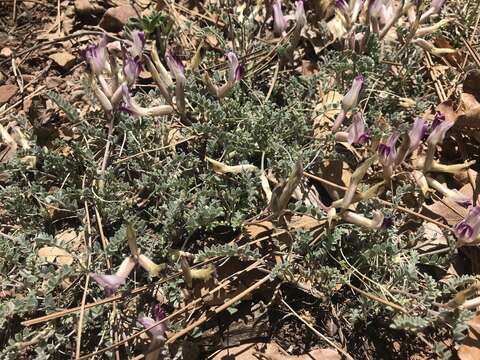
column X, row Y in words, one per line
column 157, row 331
column 129, row 105
column 138, row 38
column 232, row 64
column 175, row 64
column 374, row 8
column 158, row 312
column 279, row 21
column 110, row 283
column 464, row 231
column 356, row 132
column 96, row 56
column 131, row 69
column 388, row 151
column 438, row 134
column 437, row 5
column 300, row 16
column 468, row 229
column 239, row 72
column 417, row 133
column 438, row 119
column 341, row 4
column 387, row 222
column 350, row 99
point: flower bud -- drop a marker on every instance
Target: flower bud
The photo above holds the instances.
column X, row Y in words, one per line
column 138, row 38
column 96, row 56
column 357, row 134
column 350, row 99
column 279, row 21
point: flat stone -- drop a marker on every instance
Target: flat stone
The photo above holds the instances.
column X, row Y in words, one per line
column 115, row 19
column 7, row 92
column 63, row 59
column 6, row 52
column 87, row 7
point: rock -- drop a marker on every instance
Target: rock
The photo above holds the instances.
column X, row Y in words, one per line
column 29, row 5
column 6, row 52
column 87, row 7
column 53, row 82
column 115, row 19
column 63, row 59
column 7, row 92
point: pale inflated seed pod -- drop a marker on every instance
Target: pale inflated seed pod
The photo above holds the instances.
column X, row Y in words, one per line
column 152, row 268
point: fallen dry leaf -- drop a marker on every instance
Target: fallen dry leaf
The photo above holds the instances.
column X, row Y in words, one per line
column 55, row 255
column 454, row 59
column 327, row 111
column 337, row 172
column 271, row 351
column 449, row 210
column 7, row 92
column 434, row 234
column 470, row 348
column 467, row 115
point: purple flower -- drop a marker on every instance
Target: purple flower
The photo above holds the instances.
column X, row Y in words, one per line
column 468, row 229
column 235, row 69
column 341, row 5
column 375, row 8
column 110, row 283
column 438, row 134
column 417, row 133
column 158, row 312
column 387, row 222
column 438, row 119
column 157, row 331
column 96, row 56
column 300, row 16
column 175, row 65
column 279, row 21
column 138, row 38
column 129, row 104
column 177, row 69
column 357, row 134
column 387, row 151
column 131, row 68
column 350, row 99
column 437, row 5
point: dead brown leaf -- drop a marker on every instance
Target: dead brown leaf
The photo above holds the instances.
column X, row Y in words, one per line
column 54, row 254
column 449, row 210
column 454, row 59
column 271, row 351
column 467, row 115
column 470, row 348
column 337, row 172
column 327, row 110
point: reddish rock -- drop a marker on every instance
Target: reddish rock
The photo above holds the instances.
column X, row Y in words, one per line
column 7, row 92
column 63, row 59
column 115, row 19
column 6, row 52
